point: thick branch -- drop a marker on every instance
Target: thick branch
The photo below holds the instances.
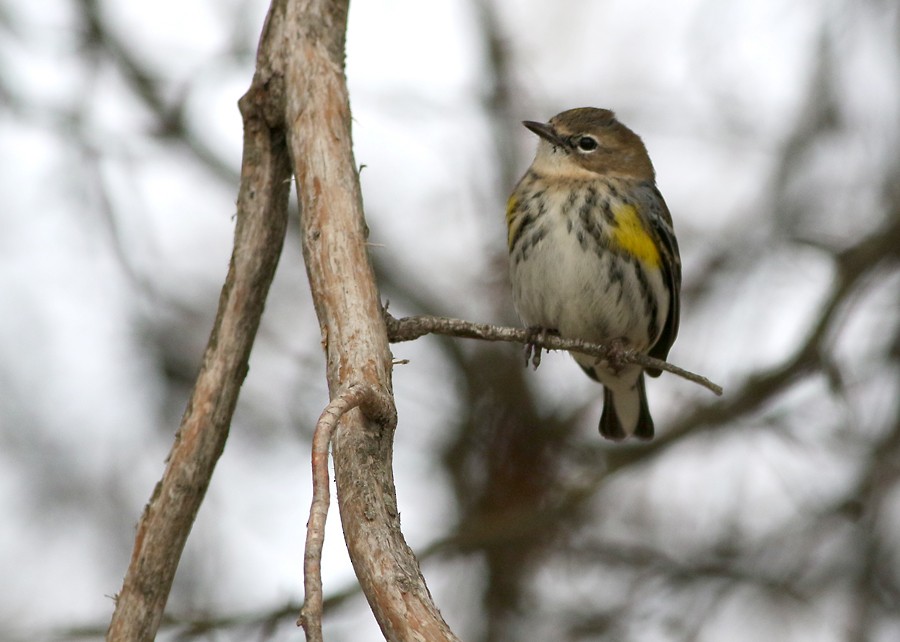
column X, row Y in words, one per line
column 409, row 328
column 348, row 307
column 167, row 519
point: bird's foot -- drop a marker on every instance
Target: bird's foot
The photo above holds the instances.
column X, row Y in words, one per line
column 532, row 349
column 617, row 350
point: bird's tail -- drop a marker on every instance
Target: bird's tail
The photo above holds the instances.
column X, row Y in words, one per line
column 625, row 413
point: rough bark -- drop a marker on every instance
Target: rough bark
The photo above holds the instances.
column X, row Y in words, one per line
column 168, row 517
column 349, row 311
column 295, row 112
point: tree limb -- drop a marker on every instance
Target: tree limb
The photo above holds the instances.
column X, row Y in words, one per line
column 347, row 303
column 258, row 239
column 409, row 328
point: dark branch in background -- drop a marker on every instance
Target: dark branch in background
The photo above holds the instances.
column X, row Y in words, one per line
column 854, row 265
column 500, row 102
column 170, row 115
column 410, row 328
column 870, row 578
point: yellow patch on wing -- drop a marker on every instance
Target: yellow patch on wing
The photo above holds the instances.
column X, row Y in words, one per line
column 629, row 234
column 512, row 225
column 511, row 205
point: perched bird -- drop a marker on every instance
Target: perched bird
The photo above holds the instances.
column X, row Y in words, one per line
column 593, row 256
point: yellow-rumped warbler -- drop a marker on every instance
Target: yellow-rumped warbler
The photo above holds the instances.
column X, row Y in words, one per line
column 593, row 256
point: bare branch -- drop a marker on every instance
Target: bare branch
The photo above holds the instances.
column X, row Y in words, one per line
column 167, row 519
column 258, row 239
column 346, row 298
column 352, row 397
column 409, row 328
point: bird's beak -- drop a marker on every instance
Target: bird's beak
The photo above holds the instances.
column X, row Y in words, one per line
column 545, row 131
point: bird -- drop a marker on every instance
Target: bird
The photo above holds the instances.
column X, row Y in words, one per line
column 593, row 256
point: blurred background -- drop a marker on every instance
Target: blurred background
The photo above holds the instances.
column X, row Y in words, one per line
column 772, row 513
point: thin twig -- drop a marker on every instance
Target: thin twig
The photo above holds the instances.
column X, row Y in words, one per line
column 409, row 328
column 311, row 613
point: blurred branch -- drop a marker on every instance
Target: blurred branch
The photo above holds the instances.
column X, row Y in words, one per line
column 868, row 504
column 169, row 114
column 184, row 627
column 853, row 265
column 259, row 237
column 500, row 102
column 410, row 328
column 518, row 523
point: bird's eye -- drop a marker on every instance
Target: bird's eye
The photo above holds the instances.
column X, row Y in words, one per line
column 587, row 143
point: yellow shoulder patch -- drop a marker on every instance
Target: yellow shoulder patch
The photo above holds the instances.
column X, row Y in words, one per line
column 511, row 205
column 629, row 235
column 512, row 225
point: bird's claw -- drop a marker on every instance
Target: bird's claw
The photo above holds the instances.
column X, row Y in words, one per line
column 533, row 349
column 617, row 350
